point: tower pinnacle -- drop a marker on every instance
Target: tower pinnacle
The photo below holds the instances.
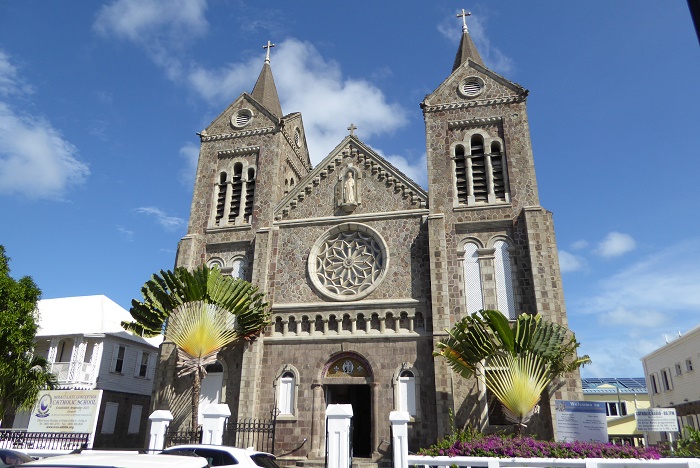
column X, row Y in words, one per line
column 467, row 49
column 265, row 91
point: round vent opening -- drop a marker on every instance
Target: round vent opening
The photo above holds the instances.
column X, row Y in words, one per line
column 472, row 86
column 241, row 118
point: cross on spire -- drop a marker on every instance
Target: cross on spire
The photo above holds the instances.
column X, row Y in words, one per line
column 269, row 46
column 464, row 15
column 352, row 128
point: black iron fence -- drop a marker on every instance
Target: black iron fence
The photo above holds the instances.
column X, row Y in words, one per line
column 186, row 436
column 256, row 433
column 19, row 439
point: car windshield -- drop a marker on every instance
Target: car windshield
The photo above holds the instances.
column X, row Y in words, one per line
column 268, row 461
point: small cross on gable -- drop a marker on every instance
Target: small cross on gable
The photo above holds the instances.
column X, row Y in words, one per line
column 352, row 128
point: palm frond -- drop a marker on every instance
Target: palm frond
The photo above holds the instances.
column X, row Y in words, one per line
column 517, row 382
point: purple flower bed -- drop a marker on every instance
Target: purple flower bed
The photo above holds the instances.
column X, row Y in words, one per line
column 525, row 447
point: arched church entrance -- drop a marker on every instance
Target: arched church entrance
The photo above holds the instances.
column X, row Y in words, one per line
column 347, row 380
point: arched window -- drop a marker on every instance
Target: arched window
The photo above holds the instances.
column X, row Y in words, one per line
column 215, row 263
column 472, row 278
column 503, row 272
column 480, row 172
column 285, row 393
column 407, row 392
column 220, row 197
column 249, row 195
column 238, row 268
column 237, row 188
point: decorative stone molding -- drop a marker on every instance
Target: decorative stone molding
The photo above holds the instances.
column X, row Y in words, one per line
column 203, row 137
column 238, row 151
column 348, row 262
column 322, row 324
column 473, row 122
column 483, row 102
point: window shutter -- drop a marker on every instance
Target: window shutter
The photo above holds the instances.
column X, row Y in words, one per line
column 135, row 419
column 115, row 355
column 407, row 395
column 151, row 366
column 137, row 367
column 109, row 418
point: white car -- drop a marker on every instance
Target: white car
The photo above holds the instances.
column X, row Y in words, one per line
column 96, row 459
column 225, row 456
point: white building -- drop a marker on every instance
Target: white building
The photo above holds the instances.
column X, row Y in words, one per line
column 89, row 350
column 673, row 379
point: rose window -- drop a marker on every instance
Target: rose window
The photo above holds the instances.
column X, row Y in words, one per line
column 348, row 262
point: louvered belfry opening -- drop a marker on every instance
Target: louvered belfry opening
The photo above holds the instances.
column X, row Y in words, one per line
column 461, row 175
column 499, row 180
column 220, row 197
column 249, row 195
column 237, row 188
column 478, row 170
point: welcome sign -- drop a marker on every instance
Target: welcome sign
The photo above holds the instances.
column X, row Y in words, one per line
column 66, row 411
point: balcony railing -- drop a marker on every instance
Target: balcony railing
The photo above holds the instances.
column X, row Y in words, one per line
column 74, row 373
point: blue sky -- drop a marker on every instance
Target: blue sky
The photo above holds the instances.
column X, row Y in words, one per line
column 100, row 103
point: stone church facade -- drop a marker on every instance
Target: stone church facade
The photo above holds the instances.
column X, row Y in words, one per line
column 363, row 268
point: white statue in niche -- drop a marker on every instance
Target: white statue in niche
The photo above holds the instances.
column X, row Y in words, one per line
column 349, row 189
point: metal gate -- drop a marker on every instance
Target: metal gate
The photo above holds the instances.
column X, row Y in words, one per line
column 256, row 433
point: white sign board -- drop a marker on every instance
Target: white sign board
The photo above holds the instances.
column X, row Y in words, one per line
column 581, row 420
column 656, row 420
column 65, row 411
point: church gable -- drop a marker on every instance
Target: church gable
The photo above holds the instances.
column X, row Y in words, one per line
column 352, row 180
column 245, row 116
column 473, row 85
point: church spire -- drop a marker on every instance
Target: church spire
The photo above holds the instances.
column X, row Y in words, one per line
column 467, row 49
column 265, row 91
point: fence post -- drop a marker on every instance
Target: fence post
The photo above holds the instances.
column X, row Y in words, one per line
column 399, row 432
column 338, row 435
column 159, row 425
column 213, row 426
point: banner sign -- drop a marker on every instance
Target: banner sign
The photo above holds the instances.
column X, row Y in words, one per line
column 65, row 411
column 581, row 420
column 656, row 420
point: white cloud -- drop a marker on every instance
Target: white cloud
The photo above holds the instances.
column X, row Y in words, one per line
column 160, row 27
column 312, row 85
column 569, row 262
column 633, row 309
column 35, row 160
column 128, row 234
column 616, row 244
column 141, row 21
column 190, row 154
column 579, row 244
column 417, row 171
column 170, row 223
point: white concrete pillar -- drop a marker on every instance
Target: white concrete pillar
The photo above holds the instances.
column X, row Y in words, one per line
column 159, row 425
column 399, row 430
column 214, row 416
column 338, row 429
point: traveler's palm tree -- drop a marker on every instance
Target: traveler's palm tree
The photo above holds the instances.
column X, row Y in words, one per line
column 204, row 311
column 515, row 361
